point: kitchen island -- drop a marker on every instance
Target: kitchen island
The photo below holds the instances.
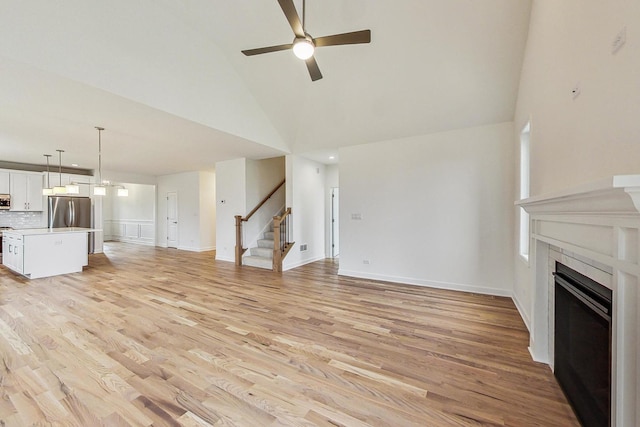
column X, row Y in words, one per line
column 44, row 252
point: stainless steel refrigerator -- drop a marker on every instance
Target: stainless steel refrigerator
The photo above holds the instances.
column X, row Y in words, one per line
column 67, row 211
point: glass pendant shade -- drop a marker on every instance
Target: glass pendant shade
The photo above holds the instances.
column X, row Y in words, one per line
column 123, row 192
column 72, row 188
column 99, row 190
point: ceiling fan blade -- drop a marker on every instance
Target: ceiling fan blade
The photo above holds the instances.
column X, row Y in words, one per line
column 314, row 70
column 355, row 37
column 291, row 13
column 261, row 50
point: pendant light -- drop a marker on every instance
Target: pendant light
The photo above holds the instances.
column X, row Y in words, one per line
column 72, row 188
column 48, row 191
column 60, row 189
column 99, row 189
column 123, row 192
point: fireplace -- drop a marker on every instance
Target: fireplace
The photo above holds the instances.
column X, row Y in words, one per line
column 594, row 229
column 582, row 342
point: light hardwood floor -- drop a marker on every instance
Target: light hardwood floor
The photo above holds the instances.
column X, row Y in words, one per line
column 149, row 336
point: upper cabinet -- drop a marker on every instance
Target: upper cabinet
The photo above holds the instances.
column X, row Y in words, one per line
column 4, row 182
column 26, row 191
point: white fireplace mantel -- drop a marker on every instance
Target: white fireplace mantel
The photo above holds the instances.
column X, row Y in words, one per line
column 595, row 228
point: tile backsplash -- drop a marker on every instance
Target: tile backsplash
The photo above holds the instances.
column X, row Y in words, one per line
column 19, row 220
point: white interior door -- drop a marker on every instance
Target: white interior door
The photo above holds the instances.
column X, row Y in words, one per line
column 172, row 219
column 335, row 224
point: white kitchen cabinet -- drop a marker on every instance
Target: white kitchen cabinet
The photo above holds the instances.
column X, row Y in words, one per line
column 46, row 252
column 12, row 254
column 4, row 182
column 26, row 191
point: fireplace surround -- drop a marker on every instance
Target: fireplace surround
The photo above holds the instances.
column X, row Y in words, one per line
column 595, row 230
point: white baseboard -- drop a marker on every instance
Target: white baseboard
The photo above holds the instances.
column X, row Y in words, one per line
column 428, row 283
column 225, row 259
column 302, row 262
column 134, row 241
column 523, row 313
column 191, row 249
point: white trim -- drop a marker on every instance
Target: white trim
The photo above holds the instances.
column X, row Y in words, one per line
column 302, row 262
column 224, row 259
column 429, row 283
column 138, row 231
column 193, row 249
column 523, row 313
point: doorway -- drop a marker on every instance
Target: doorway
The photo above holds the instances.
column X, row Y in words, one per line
column 172, row 219
column 335, row 222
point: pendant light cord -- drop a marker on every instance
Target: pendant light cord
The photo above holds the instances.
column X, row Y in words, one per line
column 99, row 154
column 60, row 165
column 48, row 180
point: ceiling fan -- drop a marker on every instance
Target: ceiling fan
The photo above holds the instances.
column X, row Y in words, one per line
column 304, row 45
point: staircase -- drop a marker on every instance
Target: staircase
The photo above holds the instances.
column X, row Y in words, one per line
column 262, row 255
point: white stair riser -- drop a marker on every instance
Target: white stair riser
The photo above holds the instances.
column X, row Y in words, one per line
column 260, row 262
column 262, row 252
column 265, row 243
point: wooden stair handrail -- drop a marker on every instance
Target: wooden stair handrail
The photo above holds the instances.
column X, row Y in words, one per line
column 246, row 218
column 240, row 250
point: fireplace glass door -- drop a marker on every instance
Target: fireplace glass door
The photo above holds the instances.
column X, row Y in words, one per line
column 583, row 345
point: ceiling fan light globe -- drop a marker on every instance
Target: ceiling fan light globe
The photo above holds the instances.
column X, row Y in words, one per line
column 303, row 48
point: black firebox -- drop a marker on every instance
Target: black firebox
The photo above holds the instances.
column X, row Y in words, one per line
column 583, row 345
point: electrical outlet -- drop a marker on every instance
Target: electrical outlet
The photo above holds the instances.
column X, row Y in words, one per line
column 365, row 261
column 356, row 216
column 619, row 40
column 303, row 247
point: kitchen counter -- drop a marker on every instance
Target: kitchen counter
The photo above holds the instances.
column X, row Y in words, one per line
column 40, row 231
column 44, row 252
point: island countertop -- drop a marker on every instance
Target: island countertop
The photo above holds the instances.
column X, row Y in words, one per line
column 40, row 231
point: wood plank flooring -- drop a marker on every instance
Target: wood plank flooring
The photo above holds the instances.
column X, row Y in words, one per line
column 149, row 336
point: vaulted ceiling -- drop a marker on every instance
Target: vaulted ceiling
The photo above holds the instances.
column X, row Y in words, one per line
column 168, row 82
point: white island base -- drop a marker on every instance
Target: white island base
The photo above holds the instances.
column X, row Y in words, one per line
column 45, row 252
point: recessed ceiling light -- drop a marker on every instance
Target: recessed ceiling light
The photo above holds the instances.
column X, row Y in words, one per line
column 332, row 157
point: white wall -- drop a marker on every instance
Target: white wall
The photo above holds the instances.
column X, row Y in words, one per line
column 231, row 201
column 207, row 210
column 190, row 213
column 436, row 210
column 132, row 218
column 140, row 204
column 306, row 197
column 595, row 135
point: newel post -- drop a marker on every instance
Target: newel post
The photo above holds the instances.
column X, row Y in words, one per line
column 239, row 249
column 277, row 254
